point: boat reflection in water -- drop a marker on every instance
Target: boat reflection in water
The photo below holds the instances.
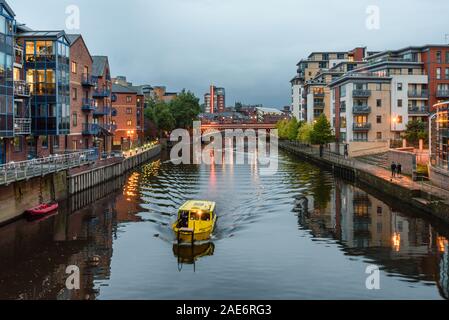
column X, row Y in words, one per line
column 189, row 254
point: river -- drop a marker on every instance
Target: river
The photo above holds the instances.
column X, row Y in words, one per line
column 299, row 234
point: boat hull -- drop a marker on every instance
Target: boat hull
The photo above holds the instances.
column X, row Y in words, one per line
column 43, row 210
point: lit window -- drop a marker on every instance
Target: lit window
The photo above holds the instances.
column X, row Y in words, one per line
column 74, row 67
column 129, row 99
column 129, row 123
column 438, row 73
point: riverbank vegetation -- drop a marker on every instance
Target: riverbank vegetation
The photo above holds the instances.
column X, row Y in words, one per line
column 176, row 114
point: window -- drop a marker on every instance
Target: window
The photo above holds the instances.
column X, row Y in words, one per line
column 379, row 119
column 399, row 103
column 399, row 119
column 379, row 211
column 343, row 91
column 129, row 99
column 18, row 144
column 400, row 86
column 129, row 110
column 379, row 103
column 438, row 56
column 378, row 86
column 379, row 135
column 129, row 123
column 56, row 141
column 74, row 67
column 75, row 119
column 410, row 72
column 44, row 140
column 447, row 56
column 438, row 73
column 74, row 93
column 447, row 73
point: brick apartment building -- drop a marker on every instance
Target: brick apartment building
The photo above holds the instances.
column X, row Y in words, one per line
column 82, row 104
column 128, row 116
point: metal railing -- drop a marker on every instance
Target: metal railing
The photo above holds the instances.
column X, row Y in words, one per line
column 91, row 129
column 88, row 80
column 88, row 104
column 21, row 88
column 17, row 171
column 418, row 110
column 418, row 94
column 442, row 93
column 22, row 126
column 101, row 93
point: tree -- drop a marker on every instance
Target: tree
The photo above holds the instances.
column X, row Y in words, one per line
column 185, row 108
column 304, row 133
column 415, row 130
column 292, row 129
column 282, row 129
column 322, row 133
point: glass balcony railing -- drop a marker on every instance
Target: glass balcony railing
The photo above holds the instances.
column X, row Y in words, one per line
column 362, row 126
column 361, row 93
column 361, row 110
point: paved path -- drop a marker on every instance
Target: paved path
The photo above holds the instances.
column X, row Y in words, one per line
column 380, row 172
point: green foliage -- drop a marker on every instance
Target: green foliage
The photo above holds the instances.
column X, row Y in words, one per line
column 415, row 131
column 185, row 108
column 282, row 129
column 288, row 129
column 322, row 132
column 179, row 113
column 305, row 132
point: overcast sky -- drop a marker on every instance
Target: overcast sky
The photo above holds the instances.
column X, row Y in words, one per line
column 250, row 47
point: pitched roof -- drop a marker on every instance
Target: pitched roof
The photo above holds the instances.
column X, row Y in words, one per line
column 99, row 63
column 117, row 88
column 73, row 37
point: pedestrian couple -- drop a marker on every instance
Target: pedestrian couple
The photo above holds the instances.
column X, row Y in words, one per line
column 396, row 169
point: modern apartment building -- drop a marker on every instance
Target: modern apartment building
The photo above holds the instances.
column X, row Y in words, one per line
column 128, row 105
column 46, row 68
column 360, row 112
column 102, row 126
column 7, row 93
column 215, row 100
column 309, row 80
column 439, row 146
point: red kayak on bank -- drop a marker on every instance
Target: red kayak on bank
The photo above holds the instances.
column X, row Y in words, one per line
column 43, row 209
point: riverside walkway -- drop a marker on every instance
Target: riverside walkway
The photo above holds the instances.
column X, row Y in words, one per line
column 25, row 170
column 433, row 192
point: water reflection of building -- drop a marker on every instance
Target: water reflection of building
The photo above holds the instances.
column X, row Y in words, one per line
column 35, row 255
column 401, row 244
column 127, row 203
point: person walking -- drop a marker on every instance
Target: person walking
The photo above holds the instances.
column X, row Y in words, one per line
column 393, row 169
column 399, row 169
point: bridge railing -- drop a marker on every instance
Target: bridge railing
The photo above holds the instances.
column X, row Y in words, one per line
column 24, row 170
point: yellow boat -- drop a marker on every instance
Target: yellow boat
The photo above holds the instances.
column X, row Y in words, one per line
column 196, row 221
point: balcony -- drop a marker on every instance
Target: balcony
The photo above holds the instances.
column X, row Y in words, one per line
column 88, row 105
column 362, row 126
column 21, row 89
column 319, row 105
column 361, row 110
column 101, row 93
column 109, row 127
column 423, row 94
column 319, row 94
column 91, row 129
column 361, row 93
column 22, row 126
column 418, row 110
column 442, row 93
column 102, row 111
column 88, row 80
